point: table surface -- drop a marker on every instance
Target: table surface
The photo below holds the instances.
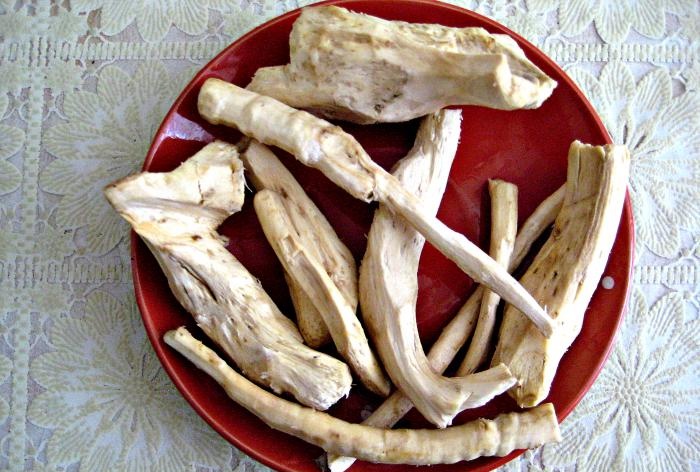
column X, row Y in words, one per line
column 83, row 87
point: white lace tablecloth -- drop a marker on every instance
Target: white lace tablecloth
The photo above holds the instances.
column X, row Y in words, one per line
column 83, row 87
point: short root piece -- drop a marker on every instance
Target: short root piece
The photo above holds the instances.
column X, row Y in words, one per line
column 504, row 226
column 266, row 171
column 310, row 276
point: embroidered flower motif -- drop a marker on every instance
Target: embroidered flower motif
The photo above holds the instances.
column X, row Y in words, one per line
column 243, row 19
column 637, row 415
column 153, row 17
column 663, row 135
column 11, row 141
column 18, row 25
column 5, row 368
column 692, row 77
column 106, row 137
column 531, row 26
column 526, row 462
column 612, row 18
column 690, row 24
column 108, row 402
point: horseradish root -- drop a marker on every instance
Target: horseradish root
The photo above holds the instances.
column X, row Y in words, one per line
column 266, row 171
column 541, row 219
column 504, row 226
column 176, row 214
column 497, row 437
column 567, row 269
column 307, row 273
column 456, row 333
column 361, row 68
column 340, row 157
column 389, row 282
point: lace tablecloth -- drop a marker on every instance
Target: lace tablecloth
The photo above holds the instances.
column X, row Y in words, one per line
column 83, row 87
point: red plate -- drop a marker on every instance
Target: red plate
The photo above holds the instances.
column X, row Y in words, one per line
column 527, row 147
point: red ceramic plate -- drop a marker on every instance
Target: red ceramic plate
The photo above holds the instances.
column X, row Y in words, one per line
column 526, row 147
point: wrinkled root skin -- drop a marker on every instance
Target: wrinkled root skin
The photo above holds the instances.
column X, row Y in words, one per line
column 482, row 437
column 360, row 68
column 176, row 214
column 566, row 271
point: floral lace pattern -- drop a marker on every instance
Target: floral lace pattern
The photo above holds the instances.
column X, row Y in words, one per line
column 84, row 85
column 661, row 132
column 650, row 426
column 105, row 134
column 11, row 141
column 153, row 18
column 101, row 384
column 612, row 19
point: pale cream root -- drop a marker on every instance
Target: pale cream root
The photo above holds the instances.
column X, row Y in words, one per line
column 266, row 171
column 340, row 157
column 361, row 68
column 176, row 213
column 310, row 276
column 309, row 321
column 504, row 226
column 482, row 437
column 567, row 269
column 456, row 333
column 535, row 225
column 389, row 282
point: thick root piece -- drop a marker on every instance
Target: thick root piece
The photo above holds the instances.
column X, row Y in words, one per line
column 459, row 329
column 567, row 269
column 504, row 226
column 340, row 157
column 360, row 68
column 311, row 277
column 481, row 437
column 266, row 171
column 177, row 213
column 389, row 282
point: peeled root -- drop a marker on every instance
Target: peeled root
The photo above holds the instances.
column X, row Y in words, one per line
column 177, row 213
column 504, row 226
column 566, row 271
column 310, row 276
column 389, row 283
column 361, row 68
column 498, row 437
column 266, row 171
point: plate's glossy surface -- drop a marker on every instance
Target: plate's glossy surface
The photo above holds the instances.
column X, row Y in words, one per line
column 528, row 148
